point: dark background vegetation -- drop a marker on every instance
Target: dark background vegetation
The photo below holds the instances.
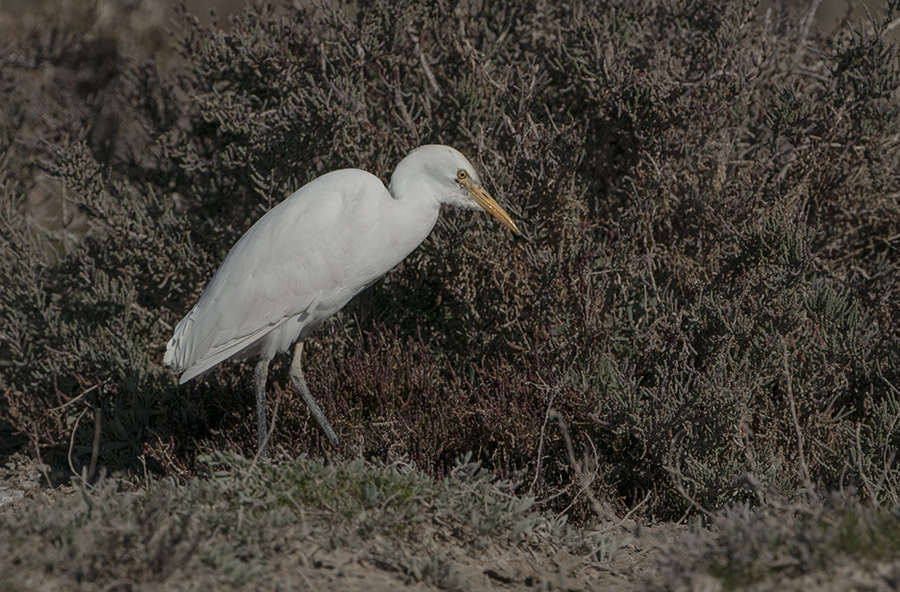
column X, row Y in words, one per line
column 705, row 303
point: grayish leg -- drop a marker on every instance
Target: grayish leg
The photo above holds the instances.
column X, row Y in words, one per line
column 261, row 373
column 300, row 383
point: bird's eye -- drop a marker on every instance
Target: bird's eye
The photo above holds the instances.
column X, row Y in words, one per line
column 461, row 174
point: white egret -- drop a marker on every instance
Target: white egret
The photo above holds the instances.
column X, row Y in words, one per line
column 309, row 255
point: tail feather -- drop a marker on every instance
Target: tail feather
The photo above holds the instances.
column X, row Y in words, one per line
column 184, row 356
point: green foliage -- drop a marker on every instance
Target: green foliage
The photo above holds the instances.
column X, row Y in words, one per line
column 746, row 545
column 707, row 288
column 249, row 525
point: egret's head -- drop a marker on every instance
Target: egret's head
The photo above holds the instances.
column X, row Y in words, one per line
column 451, row 177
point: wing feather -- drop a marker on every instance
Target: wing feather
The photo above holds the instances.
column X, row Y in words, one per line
column 300, row 256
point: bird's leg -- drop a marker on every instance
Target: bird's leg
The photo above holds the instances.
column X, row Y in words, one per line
column 261, row 374
column 300, row 383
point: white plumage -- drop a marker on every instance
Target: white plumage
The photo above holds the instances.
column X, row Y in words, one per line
column 309, row 255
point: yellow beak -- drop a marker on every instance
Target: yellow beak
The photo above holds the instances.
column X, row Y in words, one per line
column 483, row 199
